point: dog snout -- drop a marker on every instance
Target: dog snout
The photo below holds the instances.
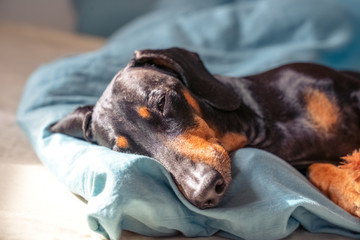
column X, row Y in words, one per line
column 210, row 191
column 205, row 188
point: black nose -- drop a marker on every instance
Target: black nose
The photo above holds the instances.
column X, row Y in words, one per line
column 209, row 191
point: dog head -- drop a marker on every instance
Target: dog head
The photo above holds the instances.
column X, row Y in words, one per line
column 154, row 107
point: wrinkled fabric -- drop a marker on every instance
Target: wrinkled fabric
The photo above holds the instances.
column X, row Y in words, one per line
column 267, row 198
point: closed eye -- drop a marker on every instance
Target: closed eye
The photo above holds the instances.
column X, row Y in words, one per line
column 161, row 103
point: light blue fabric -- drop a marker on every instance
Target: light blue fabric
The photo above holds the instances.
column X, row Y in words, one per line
column 267, row 199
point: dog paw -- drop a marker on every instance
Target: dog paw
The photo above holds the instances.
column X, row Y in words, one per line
column 340, row 184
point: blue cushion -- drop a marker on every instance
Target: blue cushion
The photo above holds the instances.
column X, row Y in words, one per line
column 267, row 199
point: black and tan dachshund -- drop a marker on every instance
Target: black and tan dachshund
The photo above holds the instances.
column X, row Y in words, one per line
column 166, row 105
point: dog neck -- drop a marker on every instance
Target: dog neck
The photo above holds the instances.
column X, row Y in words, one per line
column 241, row 127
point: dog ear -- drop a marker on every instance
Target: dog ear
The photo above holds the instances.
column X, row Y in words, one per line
column 192, row 72
column 76, row 124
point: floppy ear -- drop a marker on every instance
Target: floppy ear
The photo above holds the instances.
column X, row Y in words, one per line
column 76, row 124
column 192, row 72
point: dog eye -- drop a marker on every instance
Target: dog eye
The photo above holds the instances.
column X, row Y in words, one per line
column 161, row 104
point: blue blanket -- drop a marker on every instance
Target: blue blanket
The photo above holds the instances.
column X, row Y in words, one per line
column 267, row 199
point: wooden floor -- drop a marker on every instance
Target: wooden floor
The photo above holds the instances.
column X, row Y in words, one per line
column 33, row 204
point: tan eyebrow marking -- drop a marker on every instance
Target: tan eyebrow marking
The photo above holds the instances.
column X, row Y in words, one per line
column 322, row 111
column 144, row 112
column 122, row 142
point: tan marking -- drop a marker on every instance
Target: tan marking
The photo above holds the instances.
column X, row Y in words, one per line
column 340, row 184
column 122, row 142
column 192, row 102
column 322, row 111
column 352, row 161
column 200, row 145
column 232, row 141
column 144, row 112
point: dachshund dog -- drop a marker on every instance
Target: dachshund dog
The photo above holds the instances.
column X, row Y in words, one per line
column 166, row 105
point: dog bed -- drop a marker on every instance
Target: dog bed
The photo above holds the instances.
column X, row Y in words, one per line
column 267, row 199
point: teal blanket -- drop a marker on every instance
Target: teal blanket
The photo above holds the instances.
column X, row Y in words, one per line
column 267, row 199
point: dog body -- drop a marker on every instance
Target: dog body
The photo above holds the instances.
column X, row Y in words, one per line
column 301, row 112
column 166, row 105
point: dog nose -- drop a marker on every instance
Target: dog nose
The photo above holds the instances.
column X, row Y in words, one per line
column 210, row 190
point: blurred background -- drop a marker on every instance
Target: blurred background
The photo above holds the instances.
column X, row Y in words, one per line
column 95, row 17
column 51, row 13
